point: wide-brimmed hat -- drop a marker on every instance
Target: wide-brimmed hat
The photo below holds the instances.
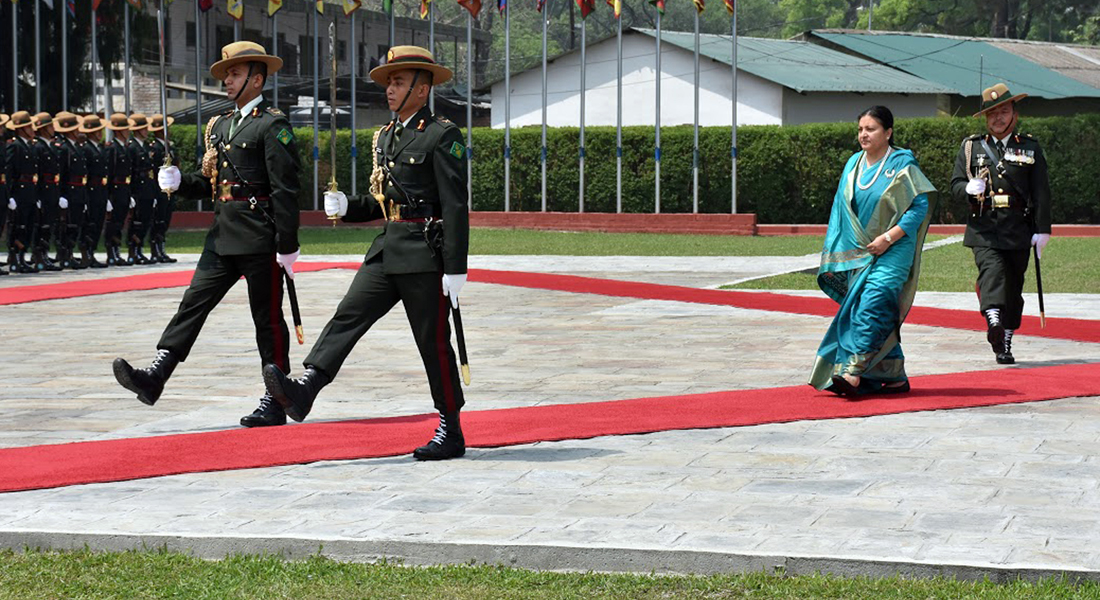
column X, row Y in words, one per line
column 118, row 122
column 42, row 119
column 4, row 118
column 156, row 122
column 138, row 121
column 410, row 57
column 244, row 52
column 20, row 119
column 65, row 122
column 91, row 124
column 992, row 97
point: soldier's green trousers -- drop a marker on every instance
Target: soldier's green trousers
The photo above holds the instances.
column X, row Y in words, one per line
column 1001, row 282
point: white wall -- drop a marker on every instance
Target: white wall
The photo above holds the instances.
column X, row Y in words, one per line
column 759, row 100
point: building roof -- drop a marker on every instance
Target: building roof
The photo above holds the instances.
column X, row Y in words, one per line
column 966, row 65
column 802, row 66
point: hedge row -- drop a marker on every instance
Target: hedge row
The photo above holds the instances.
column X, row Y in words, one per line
column 784, row 174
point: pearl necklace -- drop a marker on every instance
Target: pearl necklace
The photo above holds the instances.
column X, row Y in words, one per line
column 863, row 163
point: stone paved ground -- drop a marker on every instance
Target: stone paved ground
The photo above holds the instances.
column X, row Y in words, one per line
column 986, row 491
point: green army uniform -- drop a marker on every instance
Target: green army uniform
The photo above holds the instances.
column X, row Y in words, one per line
column 166, row 203
column 143, row 189
column 1002, row 220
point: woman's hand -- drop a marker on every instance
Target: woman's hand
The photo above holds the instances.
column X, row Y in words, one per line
column 879, row 245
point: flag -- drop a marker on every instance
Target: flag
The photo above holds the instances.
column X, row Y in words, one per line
column 730, row 6
column 387, row 6
column 699, row 6
column 424, row 8
column 660, row 4
column 474, row 6
column 617, row 5
column 135, row 3
column 205, row 5
column 351, row 6
column 502, row 5
column 320, row 7
column 95, row 4
column 539, row 4
column 273, row 7
column 235, row 8
column 586, row 7
column 71, row 5
column 48, row 3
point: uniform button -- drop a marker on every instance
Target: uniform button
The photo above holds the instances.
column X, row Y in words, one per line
column 1000, row 191
column 412, row 160
column 391, row 164
column 225, row 164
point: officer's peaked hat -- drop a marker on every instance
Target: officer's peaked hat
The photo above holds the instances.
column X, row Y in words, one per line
column 410, row 57
column 91, row 124
column 992, row 97
column 20, row 119
column 42, row 119
column 118, row 122
column 65, row 122
column 244, row 52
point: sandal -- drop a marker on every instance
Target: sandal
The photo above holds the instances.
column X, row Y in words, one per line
column 842, row 387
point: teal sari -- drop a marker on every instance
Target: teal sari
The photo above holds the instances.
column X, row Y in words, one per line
column 875, row 293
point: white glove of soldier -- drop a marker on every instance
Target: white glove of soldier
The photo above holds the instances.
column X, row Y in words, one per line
column 110, row 206
column 452, row 283
column 11, row 204
column 133, row 202
column 975, row 187
column 63, row 203
column 336, row 204
column 1040, row 240
column 169, row 178
column 286, row 261
column 38, row 204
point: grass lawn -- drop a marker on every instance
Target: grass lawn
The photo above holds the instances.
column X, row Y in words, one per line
column 154, row 574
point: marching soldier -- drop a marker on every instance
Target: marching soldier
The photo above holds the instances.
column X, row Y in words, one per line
column 47, row 151
column 3, row 181
column 1003, row 176
column 166, row 203
column 22, row 170
column 143, row 189
column 252, row 156
column 119, row 200
column 74, row 178
column 419, row 185
column 94, row 155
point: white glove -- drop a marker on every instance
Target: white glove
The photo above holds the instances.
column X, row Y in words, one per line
column 133, row 202
column 975, row 187
column 169, row 178
column 286, row 261
column 452, row 283
column 63, row 203
column 11, row 204
column 38, row 204
column 110, row 206
column 1040, row 240
column 336, row 204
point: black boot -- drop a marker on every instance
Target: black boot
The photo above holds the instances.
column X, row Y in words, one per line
column 19, row 264
column 93, row 263
column 995, row 332
column 116, row 255
column 296, row 396
column 448, row 441
column 61, row 259
column 42, row 262
column 267, row 414
column 1006, row 358
column 147, row 383
column 84, row 261
column 164, row 258
column 154, row 252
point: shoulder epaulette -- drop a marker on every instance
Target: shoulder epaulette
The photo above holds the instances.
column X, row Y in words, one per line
column 275, row 111
column 976, row 136
column 229, row 112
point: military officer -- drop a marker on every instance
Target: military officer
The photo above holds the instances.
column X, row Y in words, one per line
column 1003, row 176
column 166, row 203
column 22, row 170
column 74, row 179
column 119, row 200
column 419, row 186
column 92, row 129
column 47, row 152
column 143, row 189
column 252, row 156
column 4, row 118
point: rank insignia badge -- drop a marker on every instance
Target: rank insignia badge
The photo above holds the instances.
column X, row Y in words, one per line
column 284, row 136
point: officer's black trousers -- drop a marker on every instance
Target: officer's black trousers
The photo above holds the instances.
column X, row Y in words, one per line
column 371, row 295
column 116, row 219
column 21, row 229
column 48, row 225
column 141, row 220
column 72, row 218
column 1001, row 282
column 162, row 217
column 213, row 277
column 93, row 219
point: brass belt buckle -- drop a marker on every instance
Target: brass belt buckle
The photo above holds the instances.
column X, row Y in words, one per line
column 1001, row 200
column 225, row 191
column 395, row 211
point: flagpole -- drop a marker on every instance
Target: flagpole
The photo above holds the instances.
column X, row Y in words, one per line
column 37, row 58
column 542, row 152
column 580, row 158
column 733, row 123
column 198, row 91
column 507, row 109
column 95, row 86
column 316, row 92
column 657, row 127
column 64, row 54
column 695, row 148
column 126, row 75
column 392, row 36
column 351, row 81
column 619, row 119
column 431, row 47
column 469, row 111
column 15, row 57
column 275, row 51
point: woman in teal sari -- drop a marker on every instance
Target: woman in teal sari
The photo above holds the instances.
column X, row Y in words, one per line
column 870, row 263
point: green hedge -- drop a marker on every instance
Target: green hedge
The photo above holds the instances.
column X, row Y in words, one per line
column 784, row 174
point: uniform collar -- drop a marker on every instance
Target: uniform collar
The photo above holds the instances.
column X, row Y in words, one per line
column 247, row 108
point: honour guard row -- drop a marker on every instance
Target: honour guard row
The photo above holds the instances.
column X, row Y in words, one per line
column 63, row 188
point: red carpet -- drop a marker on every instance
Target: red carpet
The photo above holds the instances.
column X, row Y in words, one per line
column 39, row 467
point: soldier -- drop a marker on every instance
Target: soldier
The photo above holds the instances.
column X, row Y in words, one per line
column 94, row 154
column 4, row 118
column 74, row 178
column 251, row 152
column 166, row 203
column 47, row 152
column 119, row 200
column 1003, row 176
column 22, row 170
column 143, row 189
column 419, row 258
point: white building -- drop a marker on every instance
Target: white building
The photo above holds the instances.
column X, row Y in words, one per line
column 779, row 82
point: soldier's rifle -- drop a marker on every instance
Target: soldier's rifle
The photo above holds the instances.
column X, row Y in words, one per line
column 163, row 88
column 332, row 186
